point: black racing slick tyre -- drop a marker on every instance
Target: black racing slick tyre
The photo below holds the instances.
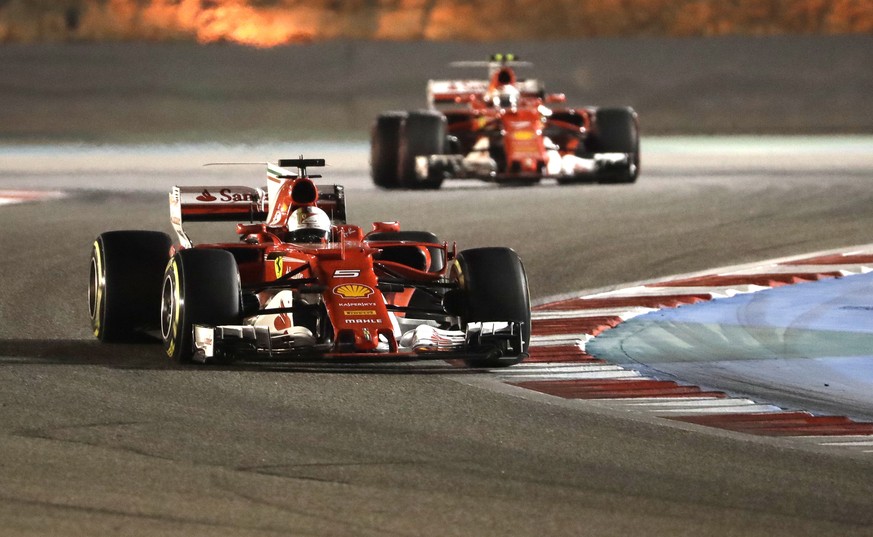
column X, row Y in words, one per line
column 384, row 149
column 421, row 133
column 200, row 286
column 124, row 289
column 616, row 130
column 492, row 287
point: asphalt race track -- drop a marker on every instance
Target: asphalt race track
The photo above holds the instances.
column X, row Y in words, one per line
column 114, row 440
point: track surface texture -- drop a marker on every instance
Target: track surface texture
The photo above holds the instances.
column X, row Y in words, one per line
column 112, row 439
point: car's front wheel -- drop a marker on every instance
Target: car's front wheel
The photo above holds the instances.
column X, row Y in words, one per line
column 616, row 130
column 492, row 287
column 201, row 286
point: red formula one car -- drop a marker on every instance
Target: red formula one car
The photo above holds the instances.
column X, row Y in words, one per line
column 501, row 130
column 301, row 283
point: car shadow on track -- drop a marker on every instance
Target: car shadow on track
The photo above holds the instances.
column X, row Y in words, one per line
column 148, row 355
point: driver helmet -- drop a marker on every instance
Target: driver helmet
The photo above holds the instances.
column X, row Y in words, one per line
column 506, row 97
column 308, row 224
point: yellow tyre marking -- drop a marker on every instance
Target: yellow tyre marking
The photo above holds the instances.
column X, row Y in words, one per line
column 460, row 275
column 176, row 308
column 98, row 293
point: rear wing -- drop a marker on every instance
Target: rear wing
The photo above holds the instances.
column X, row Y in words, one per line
column 217, row 204
column 461, row 91
column 240, row 203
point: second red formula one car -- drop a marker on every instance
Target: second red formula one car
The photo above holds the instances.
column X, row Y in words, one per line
column 502, row 130
column 301, row 283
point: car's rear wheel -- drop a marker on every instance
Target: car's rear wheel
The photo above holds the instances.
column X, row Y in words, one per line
column 421, row 133
column 492, row 287
column 384, row 149
column 124, row 288
column 200, row 286
column 616, row 130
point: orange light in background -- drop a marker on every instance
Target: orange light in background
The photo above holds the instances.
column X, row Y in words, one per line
column 267, row 23
column 226, row 20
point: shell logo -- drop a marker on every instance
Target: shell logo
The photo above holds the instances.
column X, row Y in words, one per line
column 353, row 290
column 523, row 135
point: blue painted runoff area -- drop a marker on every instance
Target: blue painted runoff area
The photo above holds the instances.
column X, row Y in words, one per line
column 806, row 346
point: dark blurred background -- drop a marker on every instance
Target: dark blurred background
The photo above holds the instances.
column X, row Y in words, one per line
column 189, row 70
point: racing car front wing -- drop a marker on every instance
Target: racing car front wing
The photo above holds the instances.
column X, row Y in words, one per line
column 424, row 341
column 485, row 168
